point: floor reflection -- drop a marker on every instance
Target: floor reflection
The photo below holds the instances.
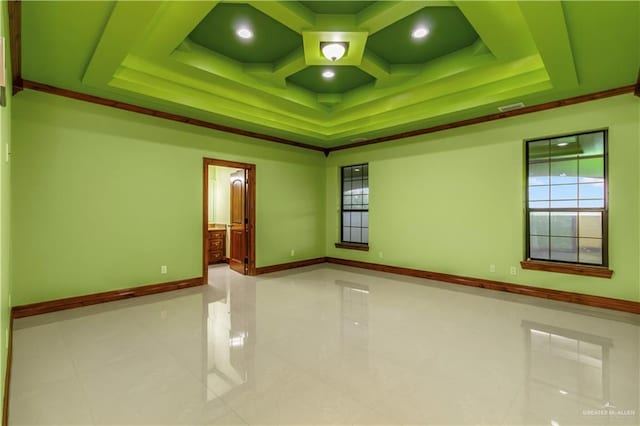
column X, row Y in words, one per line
column 566, row 368
column 327, row 346
column 354, row 310
column 230, row 333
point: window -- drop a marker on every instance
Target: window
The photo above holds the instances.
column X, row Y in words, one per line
column 355, row 204
column 567, row 199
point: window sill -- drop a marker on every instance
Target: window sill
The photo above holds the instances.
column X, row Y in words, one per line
column 353, row 246
column 567, row 268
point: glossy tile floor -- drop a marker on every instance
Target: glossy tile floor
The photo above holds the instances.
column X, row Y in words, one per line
column 327, row 345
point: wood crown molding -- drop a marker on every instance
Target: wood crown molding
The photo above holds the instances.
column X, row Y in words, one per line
column 27, row 84
column 493, row 117
column 15, row 36
column 96, row 298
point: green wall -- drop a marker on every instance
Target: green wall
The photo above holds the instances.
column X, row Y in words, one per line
column 102, row 198
column 453, row 201
column 5, row 178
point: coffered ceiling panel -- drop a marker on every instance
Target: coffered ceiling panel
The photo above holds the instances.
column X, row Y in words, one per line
column 258, row 65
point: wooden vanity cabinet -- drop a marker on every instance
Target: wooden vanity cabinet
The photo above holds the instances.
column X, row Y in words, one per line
column 217, row 245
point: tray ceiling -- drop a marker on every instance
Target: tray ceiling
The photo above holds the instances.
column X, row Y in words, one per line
column 187, row 58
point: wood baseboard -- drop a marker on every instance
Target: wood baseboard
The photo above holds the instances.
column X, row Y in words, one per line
column 545, row 293
column 7, row 376
column 108, row 296
column 290, row 265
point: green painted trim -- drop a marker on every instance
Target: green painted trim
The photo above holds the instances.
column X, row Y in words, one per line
column 290, row 13
column 501, row 27
column 163, row 39
column 549, row 31
column 384, row 13
column 289, row 65
column 490, row 93
column 402, row 95
column 208, row 69
column 149, row 85
column 329, row 98
column 117, row 39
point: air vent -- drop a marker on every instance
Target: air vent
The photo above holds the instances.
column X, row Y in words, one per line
column 507, row 108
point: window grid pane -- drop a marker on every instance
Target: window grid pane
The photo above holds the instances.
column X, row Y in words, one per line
column 566, row 199
column 355, row 204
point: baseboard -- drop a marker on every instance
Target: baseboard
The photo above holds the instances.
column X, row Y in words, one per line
column 545, row 293
column 109, row 296
column 7, row 376
column 290, row 265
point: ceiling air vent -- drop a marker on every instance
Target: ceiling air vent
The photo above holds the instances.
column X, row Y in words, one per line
column 507, row 108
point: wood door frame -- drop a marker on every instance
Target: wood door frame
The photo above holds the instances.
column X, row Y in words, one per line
column 250, row 196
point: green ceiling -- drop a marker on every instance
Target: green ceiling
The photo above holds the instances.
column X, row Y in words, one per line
column 345, row 79
column 337, row 7
column 449, row 31
column 184, row 58
column 271, row 40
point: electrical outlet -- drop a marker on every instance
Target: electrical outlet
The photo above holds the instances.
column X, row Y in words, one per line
column 492, row 268
column 513, row 270
column 163, row 269
column 380, row 255
column 293, row 252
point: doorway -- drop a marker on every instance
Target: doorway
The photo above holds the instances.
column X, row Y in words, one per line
column 228, row 232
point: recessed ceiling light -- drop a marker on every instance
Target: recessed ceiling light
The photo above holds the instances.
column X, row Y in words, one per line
column 328, row 74
column 244, row 33
column 421, row 32
column 563, row 144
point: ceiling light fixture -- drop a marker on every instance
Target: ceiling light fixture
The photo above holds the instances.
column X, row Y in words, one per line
column 244, row 33
column 421, row 32
column 333, row 51
column 328, row 74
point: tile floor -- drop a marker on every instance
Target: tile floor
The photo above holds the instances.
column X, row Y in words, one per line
column 326, row 345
